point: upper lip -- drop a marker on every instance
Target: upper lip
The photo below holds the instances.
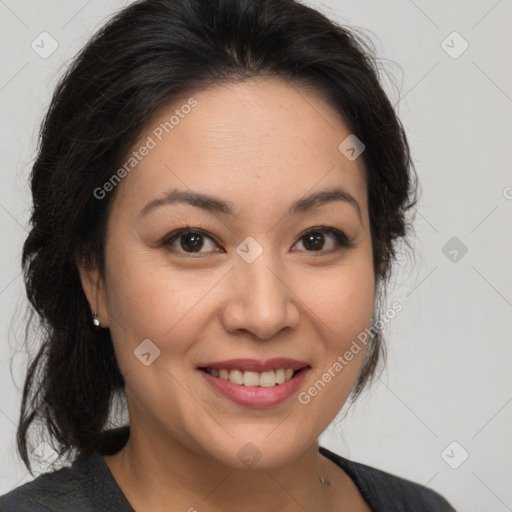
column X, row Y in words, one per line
column 254, row 365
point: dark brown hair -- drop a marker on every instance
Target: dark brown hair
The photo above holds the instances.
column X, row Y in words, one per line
column 145, row 56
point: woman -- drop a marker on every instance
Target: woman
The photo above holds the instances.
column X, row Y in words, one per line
column 218, row 194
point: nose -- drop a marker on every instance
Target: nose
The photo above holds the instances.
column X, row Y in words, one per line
column 260, row 300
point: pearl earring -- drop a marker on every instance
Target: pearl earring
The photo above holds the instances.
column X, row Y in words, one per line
column 95, row 320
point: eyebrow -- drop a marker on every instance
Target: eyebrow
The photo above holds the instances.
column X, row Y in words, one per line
column 216, row 205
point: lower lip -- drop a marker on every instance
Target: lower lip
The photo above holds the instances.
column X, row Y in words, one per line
column 256, row 396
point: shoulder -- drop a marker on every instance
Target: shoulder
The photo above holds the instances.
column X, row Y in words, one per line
column 388, row 492
column 85, row 486
column 50, row 491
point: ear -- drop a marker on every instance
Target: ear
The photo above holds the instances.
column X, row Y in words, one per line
column 94, row 289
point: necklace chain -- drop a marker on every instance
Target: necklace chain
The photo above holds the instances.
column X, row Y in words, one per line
column 323, row 480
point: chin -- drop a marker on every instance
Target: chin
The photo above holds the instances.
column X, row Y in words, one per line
column 257, row 447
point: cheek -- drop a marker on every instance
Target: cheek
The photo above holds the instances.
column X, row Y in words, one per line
column 343, row 302
column 148, row 300
column 343, row 306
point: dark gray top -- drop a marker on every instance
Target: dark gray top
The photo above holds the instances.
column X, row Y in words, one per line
column 88, row 486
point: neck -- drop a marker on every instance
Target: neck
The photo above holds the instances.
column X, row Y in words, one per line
column 177, row 478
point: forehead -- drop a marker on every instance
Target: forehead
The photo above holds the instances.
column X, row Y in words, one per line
column 257, row 142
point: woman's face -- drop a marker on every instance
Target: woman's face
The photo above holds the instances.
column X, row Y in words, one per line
column 249, row 283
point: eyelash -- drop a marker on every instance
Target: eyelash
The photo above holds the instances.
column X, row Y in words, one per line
column 342, row 240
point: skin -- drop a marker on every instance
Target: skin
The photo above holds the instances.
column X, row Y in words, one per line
column 261, row 145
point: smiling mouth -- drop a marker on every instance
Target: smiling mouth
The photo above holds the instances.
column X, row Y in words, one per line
column 268, row 378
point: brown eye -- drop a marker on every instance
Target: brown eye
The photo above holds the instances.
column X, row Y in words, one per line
column 315, row 239
column 187, row 241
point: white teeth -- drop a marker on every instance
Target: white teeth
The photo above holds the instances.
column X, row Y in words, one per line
column 280, row 375
column 249, row 378
column 266, row 379
column 236, row 377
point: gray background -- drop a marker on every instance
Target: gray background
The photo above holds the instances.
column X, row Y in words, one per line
column 448, row 377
